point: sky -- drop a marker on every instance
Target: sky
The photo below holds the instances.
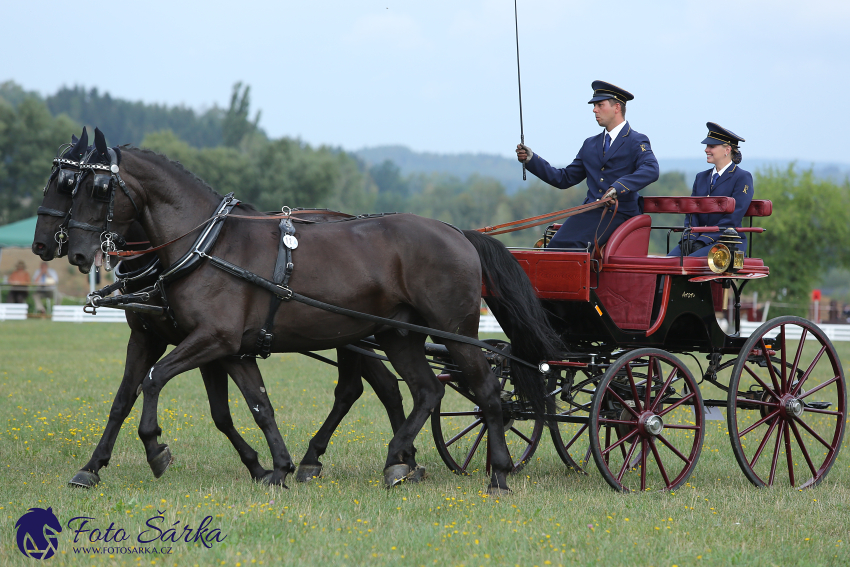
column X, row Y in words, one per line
column 441, row 76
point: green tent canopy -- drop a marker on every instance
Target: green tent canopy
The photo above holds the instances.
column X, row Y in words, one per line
column 18, row 233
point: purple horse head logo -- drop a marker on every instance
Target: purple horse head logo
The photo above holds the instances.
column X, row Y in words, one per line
column 38, row 533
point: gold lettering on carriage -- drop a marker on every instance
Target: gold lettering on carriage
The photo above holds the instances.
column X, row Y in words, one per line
column 688, row 294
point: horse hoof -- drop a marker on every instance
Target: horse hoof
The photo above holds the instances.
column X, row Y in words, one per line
column 417, row 474
column 270, row 480
column 160, row 463
column 497, row 492
column 306, row 473
column 396, row 474
column 84, row 479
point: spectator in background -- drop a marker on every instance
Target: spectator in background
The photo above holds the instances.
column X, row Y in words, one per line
column 46, row 277
column 19, row 277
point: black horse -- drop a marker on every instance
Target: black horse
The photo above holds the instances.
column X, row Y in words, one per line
column 404, row 268
column 151, row 334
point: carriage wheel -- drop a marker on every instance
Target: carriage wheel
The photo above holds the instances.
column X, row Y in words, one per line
column 647, row 438
column 796, row 404
column 460, row 434
column 570, row 439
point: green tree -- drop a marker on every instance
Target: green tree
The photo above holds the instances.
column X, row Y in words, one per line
column 29, row 139
column 235, row 126
column 806, row 235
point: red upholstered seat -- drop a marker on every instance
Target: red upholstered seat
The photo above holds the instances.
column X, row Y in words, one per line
column 760, row 208
column 630, row 239
column 688, row 205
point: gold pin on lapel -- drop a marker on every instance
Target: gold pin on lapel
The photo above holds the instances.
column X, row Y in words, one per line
column 643, row 147
column 746, row 187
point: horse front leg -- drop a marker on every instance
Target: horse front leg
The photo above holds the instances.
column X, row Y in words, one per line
column 215, row 382
column 199, row 348
column 247, row 377
column 143, row 350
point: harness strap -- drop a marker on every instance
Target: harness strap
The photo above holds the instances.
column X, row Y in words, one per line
column 286, row 294
column 51, row 212
column 282, row 271
column 596, row 248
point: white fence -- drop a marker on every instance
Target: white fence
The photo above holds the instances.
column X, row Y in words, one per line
column 13, row 311
column 75, row 314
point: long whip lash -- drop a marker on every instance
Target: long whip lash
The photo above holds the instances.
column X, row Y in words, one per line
column 519, row 84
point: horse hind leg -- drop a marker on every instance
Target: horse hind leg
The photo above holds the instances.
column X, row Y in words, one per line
column 406, row 353
column 348, row 390
column 485, row 387
column 247, row 377
column 215, row 382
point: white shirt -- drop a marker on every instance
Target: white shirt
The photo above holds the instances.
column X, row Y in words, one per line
column 720, row 172
column 613, row 133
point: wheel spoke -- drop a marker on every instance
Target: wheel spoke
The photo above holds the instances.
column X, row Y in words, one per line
column 659, row 463
column 813, row 433
column 460, row 413
column 620, row 441
column 671, row 407
column 760, row 381
column 464, row 432
column 650, row 372
column 759, row 422
column 675, row 426
column 618, row 421
column 756, row 402
column 626, row 462
column 521, row 435
column 643, row 462
column 808, row 371
column 819, row 387
column 672, row 448
column 474, row 447
column 763, row 443
column 775, row 456
column 633, row 386
column 623, row 402
column 666, row 385
column 788, row 454
column 770, row 369
column 576, row 436
column 803, row 448
column 798, row 355
column 782, row 377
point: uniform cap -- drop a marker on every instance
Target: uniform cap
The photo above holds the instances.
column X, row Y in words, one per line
column 605, row 91
column 718, row 135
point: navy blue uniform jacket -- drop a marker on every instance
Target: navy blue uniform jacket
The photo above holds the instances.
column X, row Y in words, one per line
column 629, row 165
column 736, row 183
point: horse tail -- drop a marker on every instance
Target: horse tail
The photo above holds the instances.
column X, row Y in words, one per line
column 518, row 310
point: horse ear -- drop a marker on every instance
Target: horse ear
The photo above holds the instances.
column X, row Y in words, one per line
column 100, row 142
column 84, row 139
column 78, row 149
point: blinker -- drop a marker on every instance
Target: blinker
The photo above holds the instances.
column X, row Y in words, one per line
column 66, row 180
column 102, row 187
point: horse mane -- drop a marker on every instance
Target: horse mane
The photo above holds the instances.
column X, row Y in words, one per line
column 180, row 169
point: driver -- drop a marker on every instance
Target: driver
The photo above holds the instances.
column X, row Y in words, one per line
column 616, row 162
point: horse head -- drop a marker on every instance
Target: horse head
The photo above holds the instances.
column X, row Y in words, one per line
column 51, row 236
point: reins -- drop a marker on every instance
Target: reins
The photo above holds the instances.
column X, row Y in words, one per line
column 530, row 222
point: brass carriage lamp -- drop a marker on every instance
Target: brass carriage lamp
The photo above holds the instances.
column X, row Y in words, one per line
column 725, row 256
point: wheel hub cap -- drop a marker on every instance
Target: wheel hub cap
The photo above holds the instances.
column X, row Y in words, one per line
column 794, row 407
column 653, row 425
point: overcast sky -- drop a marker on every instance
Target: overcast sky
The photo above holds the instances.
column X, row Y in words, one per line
column 441, row 76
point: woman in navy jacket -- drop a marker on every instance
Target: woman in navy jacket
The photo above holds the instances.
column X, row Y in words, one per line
column 725, row 179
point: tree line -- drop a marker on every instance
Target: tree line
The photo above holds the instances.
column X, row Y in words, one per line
column 228, row 149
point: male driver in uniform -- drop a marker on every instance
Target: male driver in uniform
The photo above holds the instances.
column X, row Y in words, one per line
column 617, row 162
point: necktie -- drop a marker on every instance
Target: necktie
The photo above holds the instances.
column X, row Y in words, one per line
column 607, row 143
column 713, row 181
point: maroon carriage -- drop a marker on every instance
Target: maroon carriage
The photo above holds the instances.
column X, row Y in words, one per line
column 623, row 394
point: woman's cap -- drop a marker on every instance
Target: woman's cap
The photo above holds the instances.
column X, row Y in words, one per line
column 718, row 135
column 605, row 91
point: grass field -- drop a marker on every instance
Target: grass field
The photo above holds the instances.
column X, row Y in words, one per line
column 57, row 381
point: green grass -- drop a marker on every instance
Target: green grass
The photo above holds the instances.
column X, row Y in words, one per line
column 57, row 381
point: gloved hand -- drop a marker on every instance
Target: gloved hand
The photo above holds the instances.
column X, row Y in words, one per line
column 610, row 193
column 524, row 153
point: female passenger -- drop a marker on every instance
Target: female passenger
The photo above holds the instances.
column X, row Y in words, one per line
column 725, row 179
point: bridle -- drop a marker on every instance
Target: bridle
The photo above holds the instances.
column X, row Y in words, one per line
column 66, row 173
column 106, row 177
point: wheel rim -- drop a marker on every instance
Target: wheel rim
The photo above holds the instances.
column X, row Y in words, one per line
column 647, row 438
column 460, row 434
column 786, row 419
